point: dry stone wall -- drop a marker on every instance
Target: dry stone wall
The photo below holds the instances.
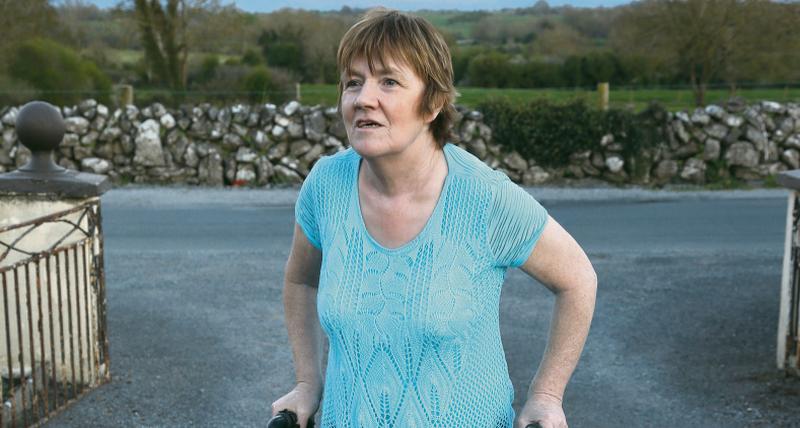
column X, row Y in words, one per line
column 269, row 145
column 748, row 142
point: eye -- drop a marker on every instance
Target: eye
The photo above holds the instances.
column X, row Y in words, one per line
column 350, row 83
column 391, row 82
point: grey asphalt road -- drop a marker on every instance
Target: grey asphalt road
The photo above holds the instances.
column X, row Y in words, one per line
column 684, row 331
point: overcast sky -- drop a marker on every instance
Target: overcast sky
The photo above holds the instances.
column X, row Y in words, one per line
column 266, row 6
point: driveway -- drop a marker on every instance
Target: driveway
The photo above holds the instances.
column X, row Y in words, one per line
column 684, row 331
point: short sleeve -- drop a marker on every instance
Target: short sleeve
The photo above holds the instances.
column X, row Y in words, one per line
column 306, row 207
column 516, row 221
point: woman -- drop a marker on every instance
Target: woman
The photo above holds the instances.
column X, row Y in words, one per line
column 400, row 249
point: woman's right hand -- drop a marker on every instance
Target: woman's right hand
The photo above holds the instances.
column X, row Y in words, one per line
column 303, row 400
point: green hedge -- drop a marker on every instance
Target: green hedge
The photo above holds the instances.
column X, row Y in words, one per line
column 49, row 67
column 550, row 132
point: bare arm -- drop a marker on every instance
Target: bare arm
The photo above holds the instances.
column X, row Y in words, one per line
column 300, row 308
column 561, row 265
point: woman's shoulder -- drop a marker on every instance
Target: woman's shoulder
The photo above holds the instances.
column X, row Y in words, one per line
column 334, row 163
column 467, row 165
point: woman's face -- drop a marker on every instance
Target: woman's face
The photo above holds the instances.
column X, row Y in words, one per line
column 380, row 111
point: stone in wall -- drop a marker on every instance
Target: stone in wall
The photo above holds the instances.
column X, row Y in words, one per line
column 615, row 164
column 22, row 156
column 711, row 150
column 264, row 171
column 535, row 175
column 315, row 124
column 515, row 161
column 190, row 157
column 77, row 125
column 687, row 150
column 278, row 151
column 716, row 131
column 246, row 155
column 694, row 171
column 245, row 175
column 209, row 171
column 284, row 175
column 742, row 154
column 229, row 170
column 299, row 147
column 793, row 141
column 232, row 141
column 104, row 150
column 10, row 117
column 337, row 129
column 148, row 144
column 665, row 171
column 791, row 157
column 96, row 165
column 313, row 154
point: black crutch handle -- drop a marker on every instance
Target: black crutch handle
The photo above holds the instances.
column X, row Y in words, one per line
column 287, row 419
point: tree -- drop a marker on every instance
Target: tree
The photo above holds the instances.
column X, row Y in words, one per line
column 304, row 43
column 767, row 47
column 490, row 69
column 535, row 74
column 73, row 15
column 499, row 29
column 701, row 40
column 558, row 41
column 541, row 7
column 283, row 49
column 52, row 68
column 163, row 32
column 601, row 67
column 21, row 20
column 258, row 84
column 223, row 29
column 591, row 23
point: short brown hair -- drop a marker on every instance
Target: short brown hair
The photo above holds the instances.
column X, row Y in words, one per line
column 384, row 33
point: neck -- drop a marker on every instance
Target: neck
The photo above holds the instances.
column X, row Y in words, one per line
column 407, row 173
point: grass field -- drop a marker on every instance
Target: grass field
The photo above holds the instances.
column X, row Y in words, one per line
column 637, row 99
column 672, row 99
column 128, row 56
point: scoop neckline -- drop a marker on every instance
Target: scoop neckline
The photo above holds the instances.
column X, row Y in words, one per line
column 428, row 223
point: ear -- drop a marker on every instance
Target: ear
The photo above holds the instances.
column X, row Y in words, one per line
column 433, row 115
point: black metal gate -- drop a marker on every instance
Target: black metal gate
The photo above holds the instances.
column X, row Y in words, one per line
column 53, row 334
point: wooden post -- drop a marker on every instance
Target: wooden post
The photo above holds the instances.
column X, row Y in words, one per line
column 125, row 95
column 297, row 91
column 786, row 287
column 788, row 324
column 602, row 91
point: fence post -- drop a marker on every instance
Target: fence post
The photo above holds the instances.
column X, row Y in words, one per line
column 53, row 341
column 602, row 91
column 297, row 91
column 124, row 95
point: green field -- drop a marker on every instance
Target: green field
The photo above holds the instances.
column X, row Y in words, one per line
column 130, row 56
column 672, row 99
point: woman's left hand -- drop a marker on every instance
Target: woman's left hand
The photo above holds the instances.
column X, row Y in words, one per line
column 545, row 410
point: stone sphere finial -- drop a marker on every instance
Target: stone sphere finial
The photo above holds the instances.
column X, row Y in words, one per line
column 40, row 126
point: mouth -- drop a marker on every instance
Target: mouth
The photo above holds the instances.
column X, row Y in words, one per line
column 367, row 124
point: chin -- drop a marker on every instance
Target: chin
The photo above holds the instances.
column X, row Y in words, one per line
column 367, row 148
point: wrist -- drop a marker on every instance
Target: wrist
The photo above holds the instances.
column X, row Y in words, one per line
column 546, row 396
column 312, row 386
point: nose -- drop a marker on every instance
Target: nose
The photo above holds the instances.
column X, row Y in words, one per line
column 367, row 96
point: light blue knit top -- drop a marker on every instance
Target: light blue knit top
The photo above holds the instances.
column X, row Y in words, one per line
column 414, row 331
